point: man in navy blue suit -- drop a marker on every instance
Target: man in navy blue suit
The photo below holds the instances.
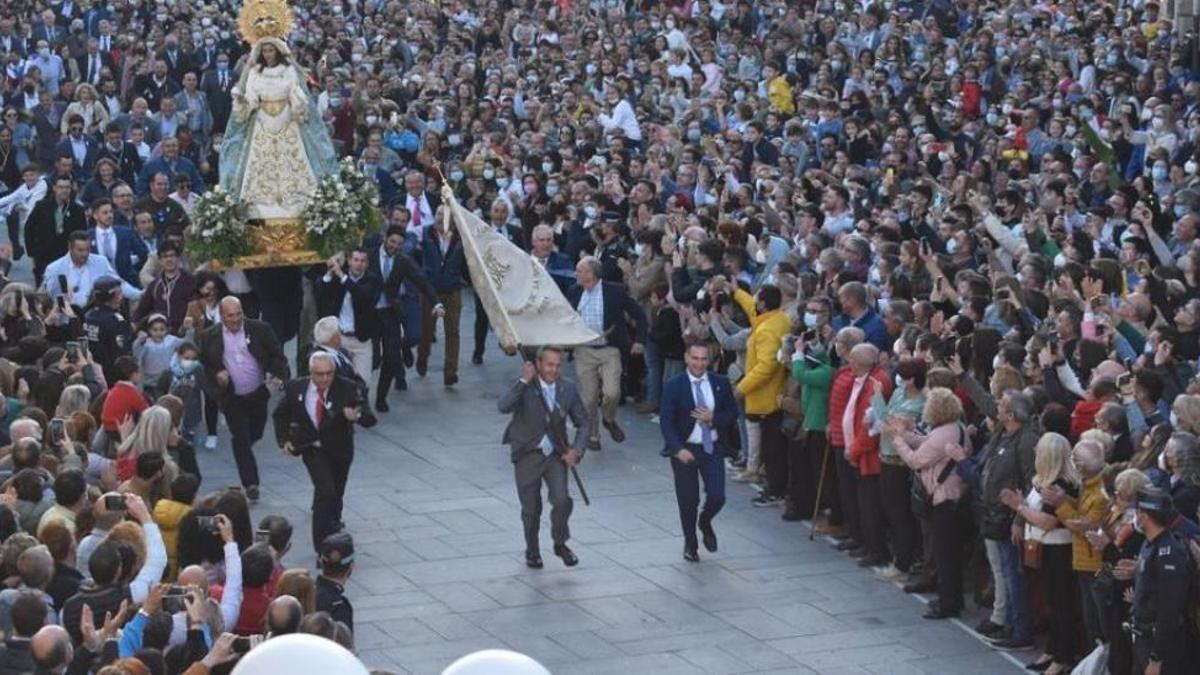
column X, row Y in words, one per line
column 125, row 251
column 698, row 415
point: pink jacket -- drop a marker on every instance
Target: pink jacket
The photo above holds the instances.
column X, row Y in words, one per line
column 930, row 458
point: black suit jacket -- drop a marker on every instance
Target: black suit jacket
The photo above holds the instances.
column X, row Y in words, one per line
column 264, row 347
column 364, row 293
column 42, row 242
column 292, row 423
column 619, row 310
column 105, row 62
column 129, row 162
column 404, row 270
column 15, row 656
column 220, row 100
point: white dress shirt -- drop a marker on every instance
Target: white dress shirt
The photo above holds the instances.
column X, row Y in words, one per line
column 346, row 311
column 549, row 393
column 851, row 406
column 697, row 436
column 419, row 204
column 106, row 243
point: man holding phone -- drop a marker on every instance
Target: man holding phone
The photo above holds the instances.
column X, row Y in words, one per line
column 315, row 421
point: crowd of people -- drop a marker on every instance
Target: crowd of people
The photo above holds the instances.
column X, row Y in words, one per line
column 944, row 252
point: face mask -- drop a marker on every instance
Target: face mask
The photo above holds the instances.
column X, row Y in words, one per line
column 335, row 102
column 639, row 250
column 372, row 120
column 1180, row 210
column 1159, row 173
column 44, row 51
column 875, row 277
column 899, row 381
column 1158, row 123
column 225, row 35
column 993, row 119
column 1174, row 419
column 996, row 362
column 811, row 320
column 503, row 182
column 547, row 167
column 356, row 57
column 210, row 42
column 739, row 95
column 951, row 246
column 693, row 134
column 488, row 174
column 882, row 304
column 835, row 64
column 454, row 140
column 551, row 190
column 456, row 176
column 1071, row 130
column 760, row 256
column 1007, row 108
column 206, row 22
column 1137, row 524
column 188, row 364
column 590, row 68
column 819, row 267
column 1190, row 167
column 369, row 169
column 1057, row 103
column 590, row 211
column 1060, row 260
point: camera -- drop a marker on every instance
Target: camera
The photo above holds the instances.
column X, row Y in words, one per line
column 114, row 502
column 241, row 645
column 58, row 430
column 72, row 349
column 173, row 604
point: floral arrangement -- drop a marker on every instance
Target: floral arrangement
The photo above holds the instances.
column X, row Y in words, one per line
column 218, row 230
column 342, row 208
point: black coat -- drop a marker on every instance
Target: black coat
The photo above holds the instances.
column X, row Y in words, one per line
column 264, row 347
column 364, row 293
column 619, row 310
column 292, row 423
column 41, row 239
column 404, row 270
column 129, row 162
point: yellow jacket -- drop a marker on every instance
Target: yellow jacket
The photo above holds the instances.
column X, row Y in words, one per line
column 779, row 92
column 765, row 378
column 1092, row 506
column 167, row 515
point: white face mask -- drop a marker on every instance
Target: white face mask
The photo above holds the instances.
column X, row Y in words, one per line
column 811, row 320
column 951, row 246
column 1060, row 260
column 760, row 256
column 639, row 250
column 899, row 381
column 1174, row 420
column 996, row 362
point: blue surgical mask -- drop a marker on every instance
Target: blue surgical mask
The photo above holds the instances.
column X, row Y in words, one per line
column 551, row 190
column 1159, row 173
column 1180, row 210
column 456, row 176
column 951, row 245
column 693, row 134
column 811, row 320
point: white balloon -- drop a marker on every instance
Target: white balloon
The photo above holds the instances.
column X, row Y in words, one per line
column 299, row 653
column 495, row 662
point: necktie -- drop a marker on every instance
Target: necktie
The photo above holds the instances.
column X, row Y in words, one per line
column 109, row 249
column 705, row 430
column 59, row 216
column 320, row 412
column 416, row 212
column 547, row 445
column 94, row 69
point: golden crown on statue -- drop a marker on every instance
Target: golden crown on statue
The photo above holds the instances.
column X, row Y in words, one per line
column 264, row 19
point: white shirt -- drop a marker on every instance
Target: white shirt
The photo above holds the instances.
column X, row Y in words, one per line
column 1057, row 536
column 106, row 243
column 622, row 117
column 851, row 406
column 419, row 203
column 310, row 402
column 697, row 437
column 23, row 199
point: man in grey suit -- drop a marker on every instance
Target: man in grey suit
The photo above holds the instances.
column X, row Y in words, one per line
column 540, row 403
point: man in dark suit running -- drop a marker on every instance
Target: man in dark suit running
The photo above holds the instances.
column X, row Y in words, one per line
column 315, row 422
column 698, row 415
column 539, row 403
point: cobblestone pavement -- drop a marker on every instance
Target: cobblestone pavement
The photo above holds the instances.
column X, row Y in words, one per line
column 440, row 571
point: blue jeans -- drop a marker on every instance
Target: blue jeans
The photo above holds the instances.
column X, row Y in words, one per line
column 1018, row 617
column 654, row 373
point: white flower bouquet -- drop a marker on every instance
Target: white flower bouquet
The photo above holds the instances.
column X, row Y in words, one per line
column 342, row 209
column 218, row 230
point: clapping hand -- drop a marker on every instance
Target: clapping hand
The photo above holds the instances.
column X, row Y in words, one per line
column 1053, row 495
column 1011, row 498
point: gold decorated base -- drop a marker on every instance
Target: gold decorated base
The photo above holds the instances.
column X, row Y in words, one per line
column 279, row 242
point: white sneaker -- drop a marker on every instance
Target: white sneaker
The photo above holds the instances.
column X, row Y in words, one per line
column 889, row 573
column 210, row 443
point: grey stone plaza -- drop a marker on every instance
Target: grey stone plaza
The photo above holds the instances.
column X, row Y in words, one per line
column 440, row 570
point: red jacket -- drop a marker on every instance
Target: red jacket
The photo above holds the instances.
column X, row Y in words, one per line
column 123, row 399
column 254, row 608
column 839, row 395
column 1083, row 417
column 864, row 450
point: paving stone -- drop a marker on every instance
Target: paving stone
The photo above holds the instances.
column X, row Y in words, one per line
column 436, row 522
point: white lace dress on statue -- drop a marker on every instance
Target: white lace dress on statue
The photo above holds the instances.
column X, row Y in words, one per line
column 278, row 179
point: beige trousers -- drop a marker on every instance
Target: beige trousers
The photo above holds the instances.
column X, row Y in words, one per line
column 599, row 371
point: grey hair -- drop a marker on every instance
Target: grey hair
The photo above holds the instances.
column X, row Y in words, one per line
column 851, row 336
column 501, row 202
column 74, row 398
column 321, row 356
column 1187, row 457
column 594, row 265
column 1020, row 404
column 25, row 427
column 325, row 329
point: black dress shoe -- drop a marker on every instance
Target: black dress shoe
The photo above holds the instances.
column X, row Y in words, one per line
column 568, row 556
column 477, row 359
column 615, row 430
column 408, row 358
column 401, row 385
column 710, row 537
column 422, row 367
column 1039, row 666
column 533, row 560
column 848, row 545
column 450, row 380
column 937, row 613
column 690, row 555
column 252, row 493
column 872, row 561
column 381, row 405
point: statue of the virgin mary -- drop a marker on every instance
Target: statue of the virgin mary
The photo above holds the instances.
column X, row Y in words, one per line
column 276, row 146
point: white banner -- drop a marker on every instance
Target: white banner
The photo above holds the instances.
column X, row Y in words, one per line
column 523, row 303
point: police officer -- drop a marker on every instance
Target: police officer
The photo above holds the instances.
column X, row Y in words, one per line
column 1158, row 620
column 337, row 561
column 109, row 333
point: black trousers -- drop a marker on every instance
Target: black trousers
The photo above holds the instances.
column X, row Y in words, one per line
column 391, row 361
column 805, row 457
column 947, row 526
column 211, row 410
column 481, row 328
column 329, row 469
column 895, row 487
column 870, row 513
column 847, row 478
column 773, row 447
column 278, row 290
column 1063, row 639
column 1113, row 612
column 184, row 455
column 246, row 417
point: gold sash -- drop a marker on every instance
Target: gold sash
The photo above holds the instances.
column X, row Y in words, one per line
column 273, row 108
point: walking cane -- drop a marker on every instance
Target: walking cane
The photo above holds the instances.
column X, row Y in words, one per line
column 812, row 532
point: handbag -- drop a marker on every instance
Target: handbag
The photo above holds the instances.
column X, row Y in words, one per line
column 922, row 500
column 1033, row 554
